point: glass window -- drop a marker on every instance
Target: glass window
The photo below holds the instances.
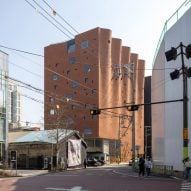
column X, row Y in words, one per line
column 68, row 72
column 55, row 87
column 84, row 44
column 88, row 131
column 93, row 91
column 51, row 112
column 51, row 99
column 87, row 68
column 71, row 46
column 54, row 77
column 86, row 80
column 72, row 60
column 70, row 120
column 57, row 65
column 68, row 96
column 74, row 84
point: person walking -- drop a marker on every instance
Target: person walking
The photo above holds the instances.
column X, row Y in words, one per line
column 148, row 166
column 187, row 167
column 141, row 166
column 85, row 163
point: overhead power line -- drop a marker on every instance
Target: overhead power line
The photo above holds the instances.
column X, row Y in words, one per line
column 56, row 13
column 34, row 54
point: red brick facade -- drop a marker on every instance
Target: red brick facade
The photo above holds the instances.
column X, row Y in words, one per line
column 92, row 71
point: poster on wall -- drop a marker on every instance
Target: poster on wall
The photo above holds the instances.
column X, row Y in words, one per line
column 74, row 152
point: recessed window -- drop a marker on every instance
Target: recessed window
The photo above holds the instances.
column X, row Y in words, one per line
column 71, row 46
column 70, row 120
column 51, row 99
column 54, row 77
column 93, row 91
column 57, row 65
column 84, row 44
column 74, row 84
column 55, row 87
column 68, row 96
column 87, row 68
column 72, row 60
column 73, row 107
column 51, row 112
column 86, row 80
column 88, row 131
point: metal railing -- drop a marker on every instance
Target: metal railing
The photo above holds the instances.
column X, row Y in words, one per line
column 170, row 22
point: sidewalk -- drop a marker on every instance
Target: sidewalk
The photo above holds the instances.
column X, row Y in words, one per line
column 29, row 173
column 24, row 173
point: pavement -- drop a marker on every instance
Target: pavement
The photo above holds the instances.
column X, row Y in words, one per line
column 29, row 173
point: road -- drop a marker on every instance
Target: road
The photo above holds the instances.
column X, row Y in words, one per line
column 94, row 179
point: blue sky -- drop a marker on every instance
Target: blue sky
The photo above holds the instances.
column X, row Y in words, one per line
column 138, row 23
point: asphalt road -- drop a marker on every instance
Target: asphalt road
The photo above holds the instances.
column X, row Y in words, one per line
column 93, row 179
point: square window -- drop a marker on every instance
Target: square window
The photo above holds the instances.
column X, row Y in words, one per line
column 87, row 68
column 54, row 77
column 74, row 84
column 71, row 46
column 84, row 44
column 72, row 60
column 51, row 112
column 88, row 131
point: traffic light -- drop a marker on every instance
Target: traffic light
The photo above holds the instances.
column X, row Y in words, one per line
column 132, row 107
column 95, row 111
column 171, row 54
column 175, row 75
column 189, row 72
column 188, row 51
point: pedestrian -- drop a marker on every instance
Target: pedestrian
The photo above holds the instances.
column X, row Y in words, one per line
column 187, row 167
column 148, row 166
column 85, row 163
column 141, row 166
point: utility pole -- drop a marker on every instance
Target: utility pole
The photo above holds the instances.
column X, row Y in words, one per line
column 185, row 104
column 132, row 78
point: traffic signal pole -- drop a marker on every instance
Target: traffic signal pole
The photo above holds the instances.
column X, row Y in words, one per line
column 133, row 113
column 185, row 104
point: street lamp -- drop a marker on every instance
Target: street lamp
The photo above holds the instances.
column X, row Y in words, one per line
column 186, row 72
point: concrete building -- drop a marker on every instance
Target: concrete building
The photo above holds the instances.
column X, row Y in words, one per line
column 167, row 119
column 148, row 117
column 14, row 105
column 3, row 104
column 94, row 70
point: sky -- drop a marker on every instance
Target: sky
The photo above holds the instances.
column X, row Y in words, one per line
column 138, row 23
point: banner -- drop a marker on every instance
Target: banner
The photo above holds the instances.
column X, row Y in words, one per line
column 74, row 152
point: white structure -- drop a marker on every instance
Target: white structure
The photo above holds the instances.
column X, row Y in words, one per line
column 167, row 119
column 14, row 105
column 3, row 105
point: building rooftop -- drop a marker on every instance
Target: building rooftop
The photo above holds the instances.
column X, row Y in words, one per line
column 46, row 136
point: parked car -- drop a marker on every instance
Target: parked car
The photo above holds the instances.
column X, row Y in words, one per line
column 93, row 162
column 101, row 161
column 131, row 161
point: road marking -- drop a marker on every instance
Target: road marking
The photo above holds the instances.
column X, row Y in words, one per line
column 61, row 175
column 75, row 188
column 185, row 186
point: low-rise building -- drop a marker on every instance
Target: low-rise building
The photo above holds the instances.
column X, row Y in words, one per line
column 59, row 148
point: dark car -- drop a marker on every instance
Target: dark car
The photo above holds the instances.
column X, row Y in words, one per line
column 93, row 162
column 101, row 161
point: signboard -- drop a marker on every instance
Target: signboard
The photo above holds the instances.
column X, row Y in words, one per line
column 185, row 133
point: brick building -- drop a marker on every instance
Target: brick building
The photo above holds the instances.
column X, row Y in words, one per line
column 94, row 70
